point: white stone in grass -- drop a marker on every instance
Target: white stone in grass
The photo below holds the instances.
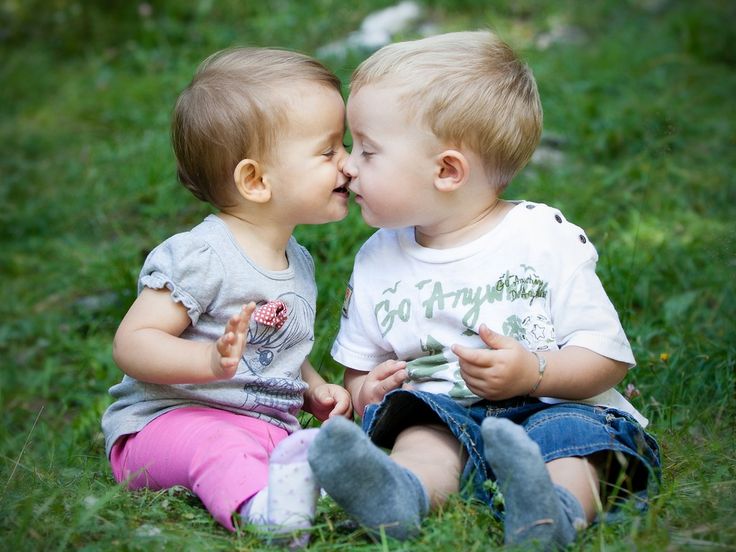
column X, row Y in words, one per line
column 376, row 30
column 560, row 33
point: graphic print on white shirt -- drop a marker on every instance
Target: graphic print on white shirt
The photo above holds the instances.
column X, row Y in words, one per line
column 438, row 369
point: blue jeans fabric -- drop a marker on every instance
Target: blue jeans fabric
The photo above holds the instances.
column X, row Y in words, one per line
column 561, row 430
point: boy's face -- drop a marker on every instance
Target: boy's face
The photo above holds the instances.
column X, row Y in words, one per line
column 392, row 163
column 305, row 173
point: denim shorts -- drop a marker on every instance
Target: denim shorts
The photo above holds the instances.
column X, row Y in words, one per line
column 561, row 430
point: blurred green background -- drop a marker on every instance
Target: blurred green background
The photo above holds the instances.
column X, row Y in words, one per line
column 638, row 149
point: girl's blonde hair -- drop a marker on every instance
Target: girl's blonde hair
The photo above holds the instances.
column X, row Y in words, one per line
column 470, row 89
column 235, row 108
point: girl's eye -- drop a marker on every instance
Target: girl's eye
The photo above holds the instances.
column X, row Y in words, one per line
column 366, row 154
column 329, row 154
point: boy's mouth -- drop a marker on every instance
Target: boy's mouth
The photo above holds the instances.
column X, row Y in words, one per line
column 341, row 190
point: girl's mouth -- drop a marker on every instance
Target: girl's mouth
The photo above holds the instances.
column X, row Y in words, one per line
column 341, row 190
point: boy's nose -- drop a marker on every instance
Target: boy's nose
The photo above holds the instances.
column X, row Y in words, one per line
column 347, row 166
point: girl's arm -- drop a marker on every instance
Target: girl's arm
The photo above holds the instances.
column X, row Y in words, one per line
column 148, row 348
column 323, row 399
column 507, row 369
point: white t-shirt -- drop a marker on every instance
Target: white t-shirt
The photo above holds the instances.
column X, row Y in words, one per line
column 532, row 278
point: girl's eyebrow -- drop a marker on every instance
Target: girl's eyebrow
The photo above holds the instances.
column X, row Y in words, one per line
column 332, row 137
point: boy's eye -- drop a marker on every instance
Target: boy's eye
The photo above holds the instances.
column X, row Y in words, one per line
column 329, row 153
column 366, row 154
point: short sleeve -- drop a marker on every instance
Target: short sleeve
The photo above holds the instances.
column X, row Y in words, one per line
column 189, row 268
column 359, row 344
column 584, row 316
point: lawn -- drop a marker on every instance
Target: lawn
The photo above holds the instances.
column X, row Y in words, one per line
column 638, row 149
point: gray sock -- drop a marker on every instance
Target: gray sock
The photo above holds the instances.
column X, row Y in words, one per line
column 361, row 478
column 572, row 508
column 534, row 510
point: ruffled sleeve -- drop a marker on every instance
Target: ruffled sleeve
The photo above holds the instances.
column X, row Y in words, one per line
column 187, row 266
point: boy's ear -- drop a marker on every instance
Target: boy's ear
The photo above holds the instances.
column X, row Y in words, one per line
column 452, row 171
column 250, row 182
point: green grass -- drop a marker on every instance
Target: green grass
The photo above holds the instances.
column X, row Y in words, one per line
column 642, row 109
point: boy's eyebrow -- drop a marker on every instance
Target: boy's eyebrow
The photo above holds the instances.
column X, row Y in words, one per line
column 362, row 136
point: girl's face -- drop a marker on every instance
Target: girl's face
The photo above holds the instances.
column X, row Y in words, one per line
column 305, row 175
column 393, row 161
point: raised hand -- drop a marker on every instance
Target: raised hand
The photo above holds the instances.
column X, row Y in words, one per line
column 229, row 348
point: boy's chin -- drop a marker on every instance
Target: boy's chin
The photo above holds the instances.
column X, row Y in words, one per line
column 373, row 222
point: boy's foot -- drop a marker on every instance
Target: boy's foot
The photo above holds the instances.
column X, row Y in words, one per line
column 534, row 512
column 360, row 477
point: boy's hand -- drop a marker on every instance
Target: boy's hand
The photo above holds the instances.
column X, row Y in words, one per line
column 328, row 400
column 228, row 350
column 507, row 369
column 385, row 377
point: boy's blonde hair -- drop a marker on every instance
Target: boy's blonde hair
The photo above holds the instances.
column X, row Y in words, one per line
column 470, row 89
column 235, row 108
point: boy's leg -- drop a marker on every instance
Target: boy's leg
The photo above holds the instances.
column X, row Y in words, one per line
column 536, row 509
column 435, row 456
column 580, row 477
column 360, row 477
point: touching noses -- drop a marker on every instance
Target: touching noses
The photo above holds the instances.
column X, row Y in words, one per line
column 348, row 166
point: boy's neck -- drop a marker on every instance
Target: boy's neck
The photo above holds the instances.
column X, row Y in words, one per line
column 264, row 244
column 461, row 230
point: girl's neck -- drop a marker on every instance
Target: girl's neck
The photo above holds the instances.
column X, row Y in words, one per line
column 265, row 244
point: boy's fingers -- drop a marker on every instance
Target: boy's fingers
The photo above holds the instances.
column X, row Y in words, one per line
column 387, row 369
column 495, row 340
column 468, row 354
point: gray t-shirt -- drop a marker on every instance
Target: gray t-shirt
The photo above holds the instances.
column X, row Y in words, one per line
column 208, row 273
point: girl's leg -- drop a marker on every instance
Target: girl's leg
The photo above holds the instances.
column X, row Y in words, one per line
column 220, row 456
column 292, row 491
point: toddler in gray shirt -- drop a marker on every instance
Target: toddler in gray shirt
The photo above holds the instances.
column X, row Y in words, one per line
column 214, row 348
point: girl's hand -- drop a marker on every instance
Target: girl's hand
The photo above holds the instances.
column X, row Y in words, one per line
column 385, row 377
column 506, row 369
column 228, row 350
column 327, row 400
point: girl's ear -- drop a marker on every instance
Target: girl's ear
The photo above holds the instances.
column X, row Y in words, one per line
column 249, row 181
column 452, row 171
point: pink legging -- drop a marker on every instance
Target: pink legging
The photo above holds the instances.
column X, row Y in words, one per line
column 220, row 456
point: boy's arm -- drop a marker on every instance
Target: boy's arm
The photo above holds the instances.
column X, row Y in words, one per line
column 507, row 369
column 323, row 399
column 370, row 387
column 148, row 348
